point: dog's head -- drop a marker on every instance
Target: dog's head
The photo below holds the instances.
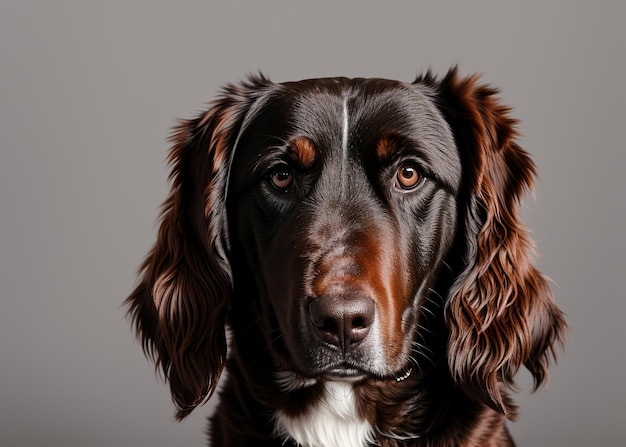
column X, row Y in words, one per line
column 342, row 216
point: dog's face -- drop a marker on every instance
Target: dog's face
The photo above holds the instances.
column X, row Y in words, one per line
column 343, row 202
column 347, row 230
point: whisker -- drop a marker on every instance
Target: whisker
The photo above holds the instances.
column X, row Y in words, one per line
column 422, row 348
column 437, row 294
column 427, row 311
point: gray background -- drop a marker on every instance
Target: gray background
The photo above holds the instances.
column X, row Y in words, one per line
column 88, row 92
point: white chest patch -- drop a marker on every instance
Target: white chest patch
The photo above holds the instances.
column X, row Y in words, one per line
column 332, row 422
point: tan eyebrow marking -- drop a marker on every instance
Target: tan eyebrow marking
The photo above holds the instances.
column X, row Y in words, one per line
column 386, row 147
column 302, row 151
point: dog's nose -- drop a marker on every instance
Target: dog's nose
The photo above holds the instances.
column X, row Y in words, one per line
column 342, row 321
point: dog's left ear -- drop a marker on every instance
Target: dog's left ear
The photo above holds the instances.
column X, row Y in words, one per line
column 501, row 313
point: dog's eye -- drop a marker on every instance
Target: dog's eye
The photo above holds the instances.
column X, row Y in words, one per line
column 282, row 179
column 407, row 177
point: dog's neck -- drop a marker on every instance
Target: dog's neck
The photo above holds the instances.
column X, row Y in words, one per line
column 332, row 421
column 411, row 410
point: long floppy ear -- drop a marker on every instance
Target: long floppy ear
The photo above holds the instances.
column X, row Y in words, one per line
column 180, row 306
column 501, row 313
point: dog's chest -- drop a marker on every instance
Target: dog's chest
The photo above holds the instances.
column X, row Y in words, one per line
column 332, row 421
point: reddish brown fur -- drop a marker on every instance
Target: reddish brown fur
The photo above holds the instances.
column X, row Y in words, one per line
column 497, row 314
column 386, row 147
column 389, row 283
column 304, row 151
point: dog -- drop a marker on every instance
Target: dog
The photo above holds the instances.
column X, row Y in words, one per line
column 350, row 251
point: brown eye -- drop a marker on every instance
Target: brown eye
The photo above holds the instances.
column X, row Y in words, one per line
column 407, row 177
column 282, row 179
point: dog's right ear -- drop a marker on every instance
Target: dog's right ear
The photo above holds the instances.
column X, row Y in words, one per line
column 180, row 306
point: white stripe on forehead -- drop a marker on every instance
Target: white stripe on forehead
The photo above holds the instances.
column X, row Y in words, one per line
column 344, row 142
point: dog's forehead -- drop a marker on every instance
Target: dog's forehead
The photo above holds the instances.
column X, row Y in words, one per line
column 379, row 102
column 330, row 110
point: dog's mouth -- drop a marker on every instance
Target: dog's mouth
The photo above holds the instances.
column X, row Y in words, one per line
column 348, row 373
column 344, row 372
column 291, row 381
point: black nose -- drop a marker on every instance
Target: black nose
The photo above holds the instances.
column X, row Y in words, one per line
column 342, row 321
